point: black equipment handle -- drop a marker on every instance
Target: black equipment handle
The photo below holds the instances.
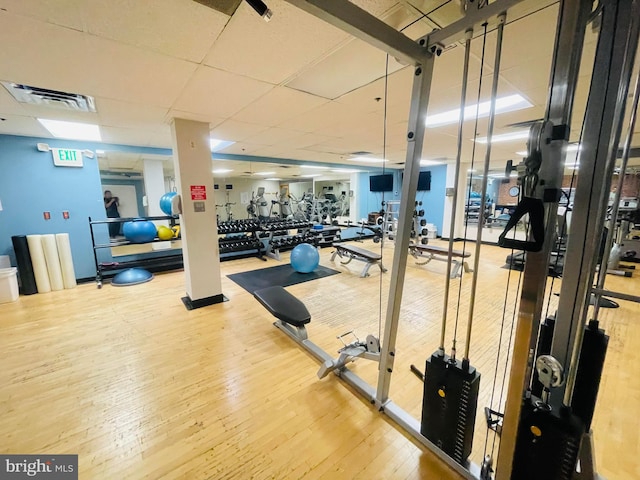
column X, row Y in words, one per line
column 535, row 208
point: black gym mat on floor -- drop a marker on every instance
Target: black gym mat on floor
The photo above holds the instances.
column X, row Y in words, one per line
column 282, row 275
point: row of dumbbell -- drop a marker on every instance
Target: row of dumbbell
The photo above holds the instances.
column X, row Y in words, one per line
column 285, row 225
column 292, row 241
column 234, row 226
column 227, row 246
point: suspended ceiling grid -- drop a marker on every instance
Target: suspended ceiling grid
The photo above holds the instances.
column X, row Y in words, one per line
column 251, row 80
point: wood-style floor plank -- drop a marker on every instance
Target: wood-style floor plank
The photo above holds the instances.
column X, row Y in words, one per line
column 140, row 388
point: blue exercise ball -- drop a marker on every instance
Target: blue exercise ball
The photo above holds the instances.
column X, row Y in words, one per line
column 139, row 231
column 305, row 258
column 165, row 202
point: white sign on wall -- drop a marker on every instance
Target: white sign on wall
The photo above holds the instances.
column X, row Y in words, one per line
column 65, row 157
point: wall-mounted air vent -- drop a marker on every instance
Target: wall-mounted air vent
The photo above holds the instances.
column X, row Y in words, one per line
column 51, row 98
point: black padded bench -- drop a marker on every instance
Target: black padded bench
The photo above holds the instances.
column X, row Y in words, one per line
column 352, row 252
column 284, row 306
column 431, row 252
column 292, row 317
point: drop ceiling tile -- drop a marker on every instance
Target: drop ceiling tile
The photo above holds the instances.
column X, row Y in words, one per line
column 241, row 148
column 215, row 92
column 8, row 104
column 325, row 116
column 193, row 27
column 272, row 151
column 21, row 125
column 279, row 105
column 234, row 131
column 529, row 76
column 272, row 51
column 517, row 47
column 37, row 53
column 273, row 136
column 305, row 140
column 310, row 155
column 321, row 79
column 159, row 140
column 126, row 136
column 198, row 117
column 364, row 98
column 66, row 13
column 375, row 7
column 131, row 74
column 37, row 111
column 116, row 113
column 350, row 122
column 344, row 149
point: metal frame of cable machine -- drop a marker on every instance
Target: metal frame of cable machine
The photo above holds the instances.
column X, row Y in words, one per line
column 572, row 21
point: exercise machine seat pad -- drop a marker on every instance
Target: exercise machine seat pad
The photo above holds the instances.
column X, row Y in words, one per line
column 284, row 306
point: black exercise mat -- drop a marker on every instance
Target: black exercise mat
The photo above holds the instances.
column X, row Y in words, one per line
column 282, row 275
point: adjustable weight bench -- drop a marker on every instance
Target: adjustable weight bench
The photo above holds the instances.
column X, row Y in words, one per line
column 431, row 252
column 293, row 317
column 352, row 252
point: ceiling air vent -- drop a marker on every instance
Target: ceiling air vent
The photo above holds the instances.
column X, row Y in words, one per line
column 51, row 98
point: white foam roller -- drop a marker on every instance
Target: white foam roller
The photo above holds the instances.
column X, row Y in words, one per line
column 39, row 263
column 66, row 260
column 53, row 262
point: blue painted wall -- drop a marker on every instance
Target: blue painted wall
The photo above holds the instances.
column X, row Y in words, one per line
column 372, row 201
column 30, row 184
column 432, row 200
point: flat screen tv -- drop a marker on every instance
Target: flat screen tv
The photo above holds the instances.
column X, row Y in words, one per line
column 381, row 183
column 424, row 181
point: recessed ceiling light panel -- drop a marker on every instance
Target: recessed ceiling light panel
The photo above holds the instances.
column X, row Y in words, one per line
column 72, row 130
column 506, row 104
column 217, row 145
column 506, row 137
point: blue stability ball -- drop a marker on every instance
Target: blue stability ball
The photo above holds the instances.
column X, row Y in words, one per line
column 165, row 202
column 139, row 231
column 305, row 258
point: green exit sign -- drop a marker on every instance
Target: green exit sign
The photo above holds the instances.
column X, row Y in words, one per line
column 65, row 157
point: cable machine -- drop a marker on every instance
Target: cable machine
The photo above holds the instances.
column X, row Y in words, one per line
column 542, row 437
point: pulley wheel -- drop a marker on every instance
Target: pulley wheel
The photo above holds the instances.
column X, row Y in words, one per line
column 423, row 222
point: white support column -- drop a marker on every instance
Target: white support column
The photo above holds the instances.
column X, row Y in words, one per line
column 198, row 226
column 448, row 201
column 154, row 188
column 353, row 200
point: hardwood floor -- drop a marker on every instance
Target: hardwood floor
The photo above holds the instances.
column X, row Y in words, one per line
column 141, row 388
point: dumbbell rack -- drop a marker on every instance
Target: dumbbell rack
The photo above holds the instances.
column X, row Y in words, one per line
column 240, row 239
column 419, row 228
column 389, row 222
column 278, row 238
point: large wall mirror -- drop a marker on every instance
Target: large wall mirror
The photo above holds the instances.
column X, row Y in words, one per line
column 242, row 189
